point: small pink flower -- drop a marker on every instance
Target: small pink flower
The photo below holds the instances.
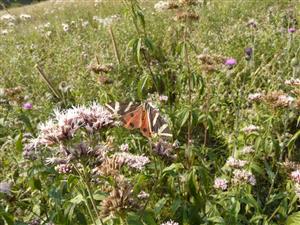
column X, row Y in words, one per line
column 27, row 106
column 296, row 176
column 220, row 184
column 163, row 98
column 292, row 30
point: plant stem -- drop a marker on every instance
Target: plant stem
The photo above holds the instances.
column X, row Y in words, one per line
column 113, row 39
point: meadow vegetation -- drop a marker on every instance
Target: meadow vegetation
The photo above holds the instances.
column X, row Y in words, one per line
column 225, row 75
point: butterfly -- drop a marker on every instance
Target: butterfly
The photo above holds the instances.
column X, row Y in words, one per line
column 141, row 116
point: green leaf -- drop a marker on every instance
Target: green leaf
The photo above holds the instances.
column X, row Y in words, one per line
column 99, row 196
column 175, row 167
column 134, row 219
column 77, row 199
column 35, row 183
column 19, row 145
column 148, row 218
column 293, row 219
column 138, row 51
column 159, row 205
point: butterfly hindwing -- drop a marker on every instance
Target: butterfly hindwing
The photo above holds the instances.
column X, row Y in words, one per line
column 157, row 123
column 122, row 108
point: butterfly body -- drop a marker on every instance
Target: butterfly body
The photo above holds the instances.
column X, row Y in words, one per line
column 141, row 116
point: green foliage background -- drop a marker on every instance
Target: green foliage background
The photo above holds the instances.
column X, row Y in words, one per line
column 157, row 56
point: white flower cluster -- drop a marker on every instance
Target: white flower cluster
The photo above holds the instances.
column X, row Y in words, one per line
column 5, row 31
column 65, row 27
column 220, row 183
column 63, row 168
column 25, row 16
column 236, row 163
column 5, row 187
column 170, row 222
column 143, row 195
column 247, row 150
column 243, row 176
column 106, row 21
column 251, row 128
column 133, row 161
column 7, row 18
column 124, row 147
column 162, row 6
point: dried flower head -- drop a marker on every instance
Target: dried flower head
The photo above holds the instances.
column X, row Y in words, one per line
column 290, row 165
column 119, row 199
column 96, row 68
column 186, row 16
column 252, row 23
column 256, row 96
column 164, row 149
column 221, row 184
column 242, row 177
column 211, row 63
column 293, row 82
column 164, row 5
column 189, row 2
column 278, row 99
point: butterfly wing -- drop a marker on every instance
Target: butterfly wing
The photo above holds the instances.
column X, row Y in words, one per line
column 146, row 125
column 157, row 123
column 133, row 119
column 122, row 108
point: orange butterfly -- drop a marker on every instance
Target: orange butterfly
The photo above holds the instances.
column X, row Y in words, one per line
column 141, row 116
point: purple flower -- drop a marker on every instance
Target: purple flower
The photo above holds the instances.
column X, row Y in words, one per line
column 249, row 51
column 230, row 62
column 27, row 106
column 292, row 30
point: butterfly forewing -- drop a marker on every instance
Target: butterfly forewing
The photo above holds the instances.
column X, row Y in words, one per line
column 133, row 119
column 145, row 126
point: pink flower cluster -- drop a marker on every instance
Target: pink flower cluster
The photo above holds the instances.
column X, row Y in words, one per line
column 67, row 122
column 221, row 184
column 133, row 161
column 296, row 176
column 170, row 222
